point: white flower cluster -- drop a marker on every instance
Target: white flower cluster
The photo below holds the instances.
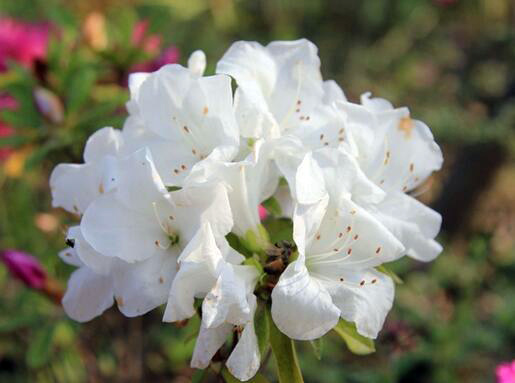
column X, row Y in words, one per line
column 192, row 164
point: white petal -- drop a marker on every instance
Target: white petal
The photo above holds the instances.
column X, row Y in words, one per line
column 88, row 295
column 139, row 184
column 70, row 257
column 298, row 88
column 227, row 300
column 349, row 237
column 310, row 186
column 200, row 264
column 301, row 307
column 142, row 286
column 413, row 223
column 98, row 263
column 249, row 182
column 206, row 203
column 332, row 92
column 114, row 230
column 74, row 186
column 106, row 141
column 171, row 165
column 253, row 116
column 397, row 152
column 342, row 176
column 135, row 81
column 192, row 280
column 209, row 341
column 196, row 113
column 244, row 361
column 363, row 298
column 251, row 66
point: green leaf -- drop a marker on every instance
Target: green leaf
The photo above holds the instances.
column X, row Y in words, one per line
column 229, row 378
column 283, row 348
column 357, row 344
column 317, row 346
column 383, row 269
column 198, row 376
column 262, row 328
column 16, row 322
column 79, row 88
column 13, row 141
column 256, row 240
column 39, row 154
column 272, row 206
column 236, row 244
column 40, row 347
column 280, row 229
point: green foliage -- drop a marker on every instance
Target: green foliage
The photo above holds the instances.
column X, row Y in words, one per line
column 286, row 362
column 40, row 348
column 358, row 344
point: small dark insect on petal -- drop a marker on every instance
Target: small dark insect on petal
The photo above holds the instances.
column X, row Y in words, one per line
column 70, row 242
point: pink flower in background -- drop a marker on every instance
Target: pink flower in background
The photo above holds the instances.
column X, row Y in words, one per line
column 24, row 267
column 151, row 44
column 22, row 42
column 505, row 372
column 262, row 213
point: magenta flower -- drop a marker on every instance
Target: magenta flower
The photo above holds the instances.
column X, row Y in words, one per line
column 505, row 372
column 151, row 44
column 25, row 267
column 22, row 42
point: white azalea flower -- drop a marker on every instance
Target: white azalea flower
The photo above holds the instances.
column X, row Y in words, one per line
column 339, row 245
column 192, row 164
column 181, row 117
column 75, row 186
column 249, row 182
column 136, row 287
column 208, row 270
column 398, row 153
column 140, row 219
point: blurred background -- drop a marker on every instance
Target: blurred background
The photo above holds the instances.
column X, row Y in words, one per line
column 63, row 74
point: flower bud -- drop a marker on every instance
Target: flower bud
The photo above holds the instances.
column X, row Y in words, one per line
column 49, row 105
column 24, row 267
column 197, row 63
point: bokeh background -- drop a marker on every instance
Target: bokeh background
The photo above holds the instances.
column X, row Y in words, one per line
column 63, row 73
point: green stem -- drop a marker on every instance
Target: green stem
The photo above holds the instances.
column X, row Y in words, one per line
column 286, row 361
